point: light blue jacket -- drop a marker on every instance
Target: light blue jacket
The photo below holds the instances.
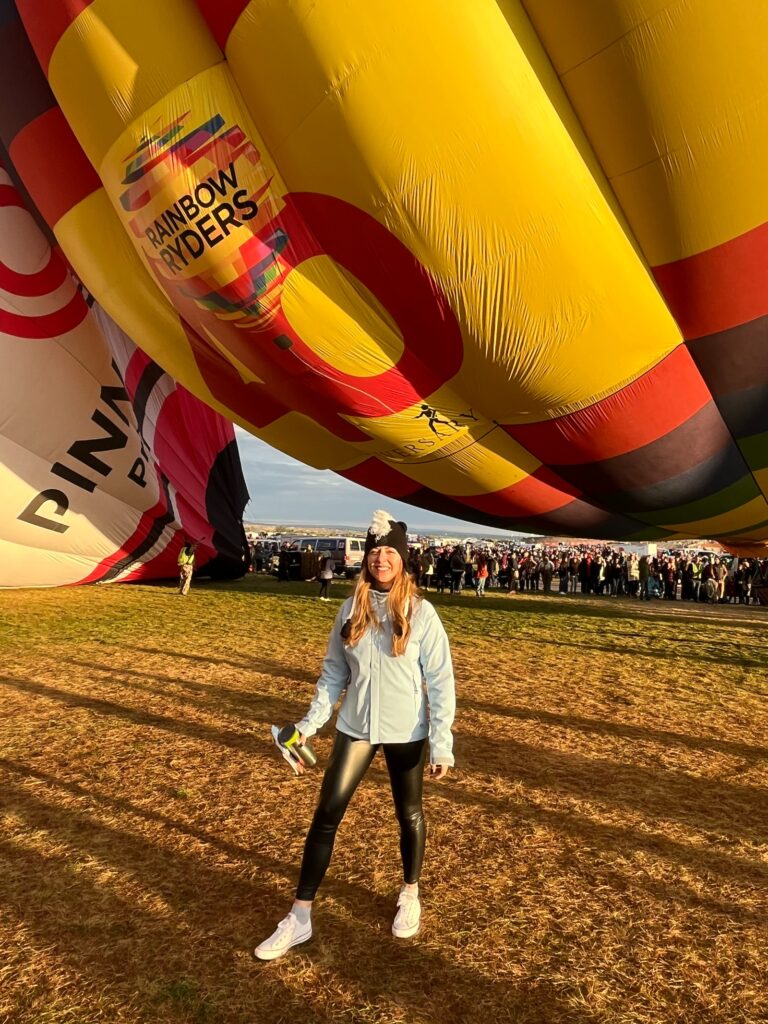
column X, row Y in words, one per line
column 389, row 699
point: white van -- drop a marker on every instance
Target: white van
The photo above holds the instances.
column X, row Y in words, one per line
column 347, row 552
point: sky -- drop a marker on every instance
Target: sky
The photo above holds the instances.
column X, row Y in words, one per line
column 287, row 492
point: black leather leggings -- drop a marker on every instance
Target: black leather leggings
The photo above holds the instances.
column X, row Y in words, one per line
column 350, row 760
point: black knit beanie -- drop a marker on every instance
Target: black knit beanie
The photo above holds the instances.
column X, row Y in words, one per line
column 386, row 532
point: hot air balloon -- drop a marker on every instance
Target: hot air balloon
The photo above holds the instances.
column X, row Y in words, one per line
column 106, row 463
column 500, row 260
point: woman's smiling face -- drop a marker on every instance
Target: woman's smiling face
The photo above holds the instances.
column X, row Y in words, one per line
column 384, row 564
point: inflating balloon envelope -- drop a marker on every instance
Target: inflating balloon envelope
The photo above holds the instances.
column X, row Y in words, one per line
column 500, row 260
column 106, row 463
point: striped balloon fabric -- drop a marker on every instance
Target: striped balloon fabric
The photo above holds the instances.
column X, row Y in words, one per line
column 106, row 463
column 501, row 259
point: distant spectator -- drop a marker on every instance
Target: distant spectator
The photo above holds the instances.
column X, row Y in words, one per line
column 427, row 567
column 458, row 568
column 186, row 563
column 482, row 576
column 325, row 575
column 546, row 568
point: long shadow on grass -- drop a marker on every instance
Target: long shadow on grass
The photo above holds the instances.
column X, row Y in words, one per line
column 614, row 839
column 194, row 730
column 708, row 652
column 252, row 704
column 602, row 727
column 600, row 836
column 151, row 963
column 264, row 666
column 600, row 643
column 556, row 626
column 333, row 886
column 522, row 814
column 703, row 803
column 679, row 893
column 248, row 856
column 618, row 609
column 205, row 912
column 727, row 808
column 702, row 653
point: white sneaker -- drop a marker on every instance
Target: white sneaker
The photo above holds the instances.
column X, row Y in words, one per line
column 408, row 917
column 288, row 933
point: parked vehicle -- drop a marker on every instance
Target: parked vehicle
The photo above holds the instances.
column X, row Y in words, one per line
column 347, row 552
column 640, row 548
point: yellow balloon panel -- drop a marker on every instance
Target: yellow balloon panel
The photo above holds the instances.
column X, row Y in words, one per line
column 399, row 246
column 674, row 98
column 496, row 208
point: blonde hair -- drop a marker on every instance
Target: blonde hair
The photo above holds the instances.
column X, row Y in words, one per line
column 400, row 600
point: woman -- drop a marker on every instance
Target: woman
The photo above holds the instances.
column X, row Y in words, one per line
column 327, row 567
column 481, row 576
column 562, row 576
column 427, row 566
column 389, row 651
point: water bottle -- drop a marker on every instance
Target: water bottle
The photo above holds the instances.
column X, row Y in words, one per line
column 294, row 751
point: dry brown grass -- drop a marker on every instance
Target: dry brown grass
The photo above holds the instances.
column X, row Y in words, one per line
column 604, row 859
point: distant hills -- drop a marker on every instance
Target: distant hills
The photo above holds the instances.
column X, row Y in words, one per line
column 314, row 529
column 294, row 529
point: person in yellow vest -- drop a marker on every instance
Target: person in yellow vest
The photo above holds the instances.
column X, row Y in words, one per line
column 186, row 562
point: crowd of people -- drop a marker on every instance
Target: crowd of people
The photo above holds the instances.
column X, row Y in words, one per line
column 389, row 656
column 599, row 570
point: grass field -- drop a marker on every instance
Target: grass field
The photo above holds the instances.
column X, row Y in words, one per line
column 600, row 853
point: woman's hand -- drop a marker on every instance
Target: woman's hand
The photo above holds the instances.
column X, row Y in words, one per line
column 437, row 772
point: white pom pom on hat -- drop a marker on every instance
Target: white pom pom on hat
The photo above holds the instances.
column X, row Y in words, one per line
column 381, row 523
column 386, row 532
